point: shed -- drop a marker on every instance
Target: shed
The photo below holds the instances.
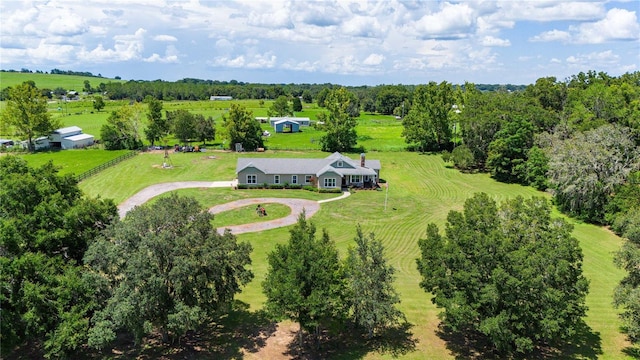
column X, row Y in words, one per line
column 286, row 126
column 77, row 141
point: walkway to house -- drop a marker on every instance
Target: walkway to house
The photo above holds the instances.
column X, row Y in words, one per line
column 297, row 205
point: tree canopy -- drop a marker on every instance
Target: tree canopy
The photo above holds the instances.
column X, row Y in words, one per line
column 510, row 273
column 304, row 279
column 26, row 113
column 46, row 225
column 428, row 122
column 585, row 169
column 164, row 269
column 371, row 297
column 340, row 123
column 241, row 127
column 122, row 130
column 281, row 107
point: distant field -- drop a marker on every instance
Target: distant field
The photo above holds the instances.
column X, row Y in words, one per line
column 51, row 81
column 421, row 190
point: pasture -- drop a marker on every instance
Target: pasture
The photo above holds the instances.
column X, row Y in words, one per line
column 52, row 81
column 421, row 190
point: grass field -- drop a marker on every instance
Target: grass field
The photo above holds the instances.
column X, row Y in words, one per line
column 52, row 81
column 73, row 161
column 421, row 190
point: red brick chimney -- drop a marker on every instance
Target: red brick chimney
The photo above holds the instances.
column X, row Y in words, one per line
column 362, row 161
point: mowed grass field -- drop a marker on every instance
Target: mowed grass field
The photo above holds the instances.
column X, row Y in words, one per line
column 52, row 81
column 421, row 190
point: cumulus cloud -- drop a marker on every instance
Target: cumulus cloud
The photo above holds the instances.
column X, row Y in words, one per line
column 126, row 47
column 15, row 23
column 494, row 41
column 451, row 22
column 170, row 56
column 67, row 24
column 258, row 61
column 362, row 26
column 619, row 24
column 280, row 18
column 551, row 10
column 374, row 59
column 167, row 38
column 552, row 35
column 594, row 59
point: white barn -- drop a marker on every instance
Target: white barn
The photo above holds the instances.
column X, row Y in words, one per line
column 70, row 138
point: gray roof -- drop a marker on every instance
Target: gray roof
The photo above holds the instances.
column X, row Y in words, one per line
column 68, row 130
column 309, row 166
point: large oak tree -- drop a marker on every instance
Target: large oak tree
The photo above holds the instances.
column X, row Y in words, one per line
column 511, row 273
column 164, row 267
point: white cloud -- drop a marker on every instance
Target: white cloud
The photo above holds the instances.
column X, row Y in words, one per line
column 126, row 47
column 363, row 26
column 14, row 23
column 67, row 24
column 494, row 41
column 374, row 59
column 551, row 10
column 167, row 38
column 277, row 19
column 258, row 61
column 452, row 21
column 619, row 24
column 594, row 59
column 552, row 35
column 170, row 56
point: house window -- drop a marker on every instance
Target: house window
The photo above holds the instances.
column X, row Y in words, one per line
column 307, row 179
column 355, row 179
column 252, row 179
column 329, row 182
column 339, row 163
column 276, row 179
column 294, row 179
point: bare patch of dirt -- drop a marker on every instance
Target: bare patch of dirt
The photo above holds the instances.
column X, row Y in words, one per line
column 277, row 344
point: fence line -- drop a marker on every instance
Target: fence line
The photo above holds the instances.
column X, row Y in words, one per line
column 108, row 164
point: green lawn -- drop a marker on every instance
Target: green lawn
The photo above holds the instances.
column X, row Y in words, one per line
column 421, row 190
column 73, row 161
column 247, row 214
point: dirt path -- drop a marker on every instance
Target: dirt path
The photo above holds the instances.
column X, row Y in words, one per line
column 297, row 205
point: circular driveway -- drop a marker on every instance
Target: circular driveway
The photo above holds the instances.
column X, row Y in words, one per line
column 297, row 205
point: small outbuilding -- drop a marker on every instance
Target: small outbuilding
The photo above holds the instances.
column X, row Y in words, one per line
column 302, row 121
column 286, row 126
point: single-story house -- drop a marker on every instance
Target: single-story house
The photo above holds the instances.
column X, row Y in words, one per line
column 334, row 171
column 70, row 138
column 302, row 121
column 286, row 126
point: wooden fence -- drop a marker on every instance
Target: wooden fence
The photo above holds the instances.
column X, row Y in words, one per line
column 108, row 164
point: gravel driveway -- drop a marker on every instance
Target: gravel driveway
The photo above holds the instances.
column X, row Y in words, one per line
column 297, row 205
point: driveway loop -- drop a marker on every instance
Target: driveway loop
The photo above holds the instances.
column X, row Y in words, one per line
column 297, row 205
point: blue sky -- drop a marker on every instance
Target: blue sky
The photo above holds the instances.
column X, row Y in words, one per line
column 342, row 42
